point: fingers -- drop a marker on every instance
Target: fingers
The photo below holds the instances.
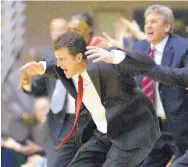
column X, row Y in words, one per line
column 95, row 53
column 99, row 59
column 93, row 56
column 31, row 69
column 125, row 21
column 92, row 49
column 28, row 65
column 30, row 143
column 106, row 36
column 103, row 40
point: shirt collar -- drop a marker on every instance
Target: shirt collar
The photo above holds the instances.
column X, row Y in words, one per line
column 161, row 45
column 84, row 76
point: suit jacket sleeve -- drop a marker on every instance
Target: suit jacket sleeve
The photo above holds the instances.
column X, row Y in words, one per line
column 50, row 68
column 171, row 76
column 40, row 86
column 135, row 62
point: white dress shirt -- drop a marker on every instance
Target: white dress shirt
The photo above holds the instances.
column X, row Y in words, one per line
column 70, row 105
column 159, row 49
column 92, row 101
column 91, row 98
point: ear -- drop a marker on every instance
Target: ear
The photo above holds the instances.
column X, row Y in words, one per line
column 167, row 28
column 79, row 57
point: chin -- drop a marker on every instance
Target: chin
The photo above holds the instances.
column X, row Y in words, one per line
column 68, row 76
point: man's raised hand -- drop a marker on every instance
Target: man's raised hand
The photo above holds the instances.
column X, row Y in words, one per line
column 28, row 71
column 32, row 68
column 99, row 54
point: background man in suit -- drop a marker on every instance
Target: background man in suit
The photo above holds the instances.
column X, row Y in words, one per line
column 171, row 53
column 127, row 125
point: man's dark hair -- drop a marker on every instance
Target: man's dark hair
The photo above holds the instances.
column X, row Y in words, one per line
column 80, row 15
column 83, row 16
column 73, row 41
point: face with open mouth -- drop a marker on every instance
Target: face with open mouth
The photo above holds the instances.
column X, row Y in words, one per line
column 67, row 62
column 155, row 28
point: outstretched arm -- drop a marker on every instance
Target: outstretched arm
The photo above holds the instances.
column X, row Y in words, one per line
column 140, row 63
column 32, row 69
column 127, row 61
column 170, row 76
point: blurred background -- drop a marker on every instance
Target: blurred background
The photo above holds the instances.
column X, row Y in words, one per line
column 25, row 35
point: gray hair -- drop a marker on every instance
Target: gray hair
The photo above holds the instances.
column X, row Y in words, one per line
column 165, row 11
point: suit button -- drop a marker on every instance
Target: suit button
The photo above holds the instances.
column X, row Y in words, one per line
column 160, row 92
column 61, row 121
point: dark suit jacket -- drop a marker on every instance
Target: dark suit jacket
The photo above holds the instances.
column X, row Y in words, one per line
column 174, row 99
column 131, row 118
column 44, row 86
column 171, row 76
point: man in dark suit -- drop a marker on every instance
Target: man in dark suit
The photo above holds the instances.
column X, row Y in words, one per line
column 60, row 122
column 171, row 57
column 127, row 125
column 61, row 116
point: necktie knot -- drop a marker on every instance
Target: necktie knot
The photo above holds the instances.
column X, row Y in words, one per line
column 80, row 82
column 80, row 79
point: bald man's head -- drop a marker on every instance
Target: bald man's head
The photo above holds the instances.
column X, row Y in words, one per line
column 57, row 27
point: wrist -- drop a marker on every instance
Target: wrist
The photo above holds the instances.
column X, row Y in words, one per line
column 42, row 67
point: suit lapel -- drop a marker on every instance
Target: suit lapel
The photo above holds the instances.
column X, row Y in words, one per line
column 168, row 53
column 145, row 50
column 93, row 72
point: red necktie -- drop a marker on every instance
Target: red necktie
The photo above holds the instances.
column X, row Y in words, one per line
column 78, row 105
column 147, row 83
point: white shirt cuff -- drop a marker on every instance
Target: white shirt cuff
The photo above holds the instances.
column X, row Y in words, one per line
column 43, row 63
column 119, row 56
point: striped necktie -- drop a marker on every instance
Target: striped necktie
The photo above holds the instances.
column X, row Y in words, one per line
column 148, row 83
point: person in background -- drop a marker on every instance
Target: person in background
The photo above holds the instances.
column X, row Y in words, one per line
column 17, row 115
column 126, row 34
column 170, row 90
column 134, row 28
column 171, row 103
column 82, row 23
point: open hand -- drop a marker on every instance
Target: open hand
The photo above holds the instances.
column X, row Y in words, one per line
column 107, row 41
column 25, row 81
column 30, row 148
column 99, row 54
column 130, row 25
column 32, row 68
column 28, row 71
